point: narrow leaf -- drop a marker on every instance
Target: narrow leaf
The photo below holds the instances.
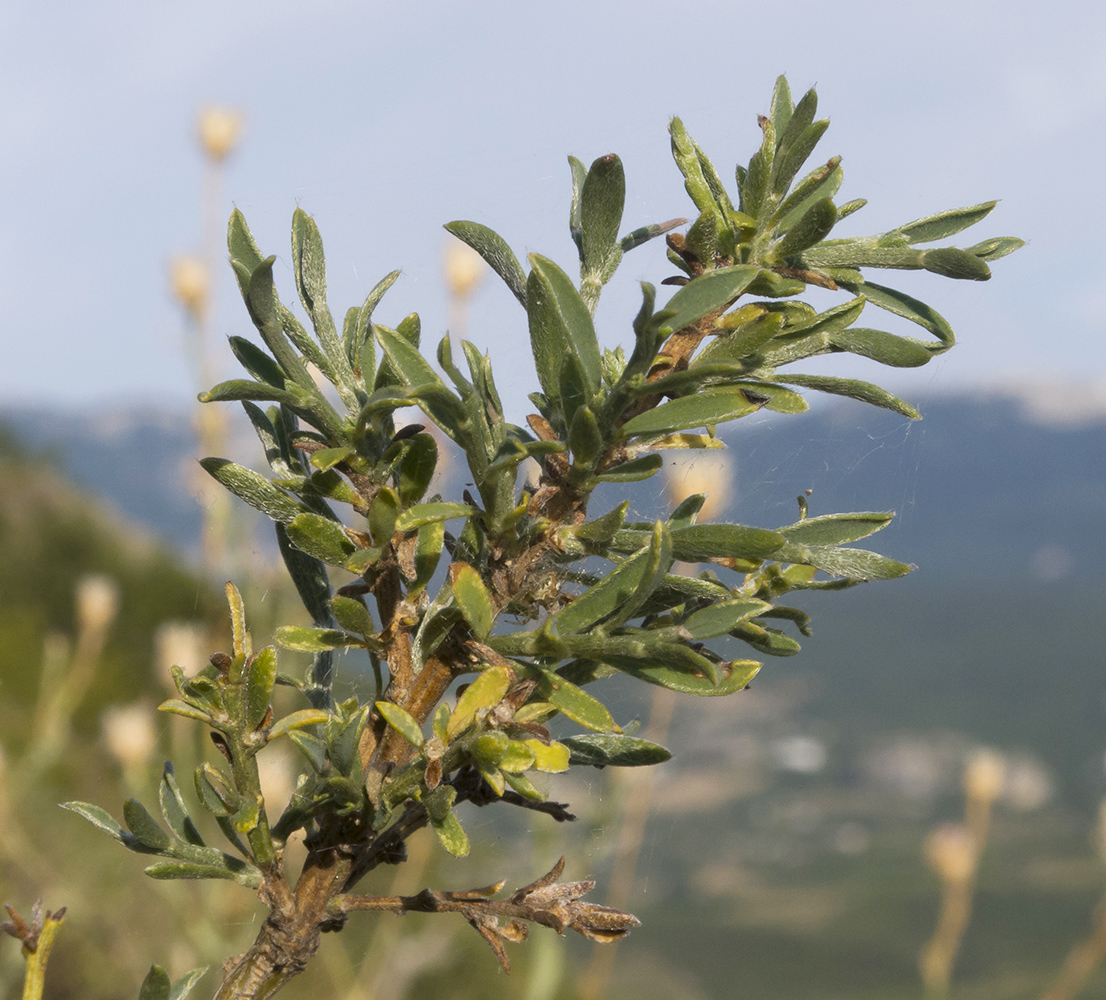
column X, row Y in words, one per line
column 496, row 253
column 855, row 389
column 402, row 722
column 836, row 529
column 614, row 751
column 559, row 323
column 707, row 408
column 472, row 598
column 943, row 224
column 254, row 488
column 710, row 292
column 487, row 690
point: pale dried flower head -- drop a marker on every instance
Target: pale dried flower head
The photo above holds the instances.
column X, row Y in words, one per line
column 984, row 776
column 178, row 644
column 701, row 472
column 97, row 603
column 189, row 282
column 129, row 734
column 219, row 130
column 950, row 850
column 463, row 268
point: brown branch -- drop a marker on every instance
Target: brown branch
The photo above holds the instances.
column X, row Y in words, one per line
column 544, row 901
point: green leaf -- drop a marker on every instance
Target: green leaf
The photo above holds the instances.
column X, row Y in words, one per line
column 496, row 253
column 428, row 513
column 254, row 488
column 646, row 233
column 259, row 364
column 719, row 619
column 326, row 458
column 853, row 564
column 174, row 706
column 320, row 537
column 99, row 818
column 574, row 702
column 428, row 553
column 521, row 755
column 954, row 263
column 814, row 226
column 704, row 409
column 416, row 469
column 215, row 792
column 559, row 324
column 943, row 224
column 633, row 471
column 353, row 616
column 995, row 248
column 174, row 809
column 553, row 758
column 183, row 986
column 241, row 246
column 144, row 827
column 410, row 365
column 383, row 515
column 259, row 686
column 313, row 748
column 156, row 984
column 402, row 722
column 250, row 875
column 771, row 642
column 240, row 388
column 624, row 587
column 702, row 542
column 905, row 306
column 296, row 720
column 855, row 389
column 585, row 438
column 472, row 598
column 614, row 751
column 451, row 835
column 836, row 529
column 822, row 182
column 734, row 677
column 886, row 348
column 314, row 640
column 706, row 294
column 602, row 199
column 487, row 690
column 603, row 528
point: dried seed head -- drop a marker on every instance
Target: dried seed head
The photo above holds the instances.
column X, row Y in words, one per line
column 129, row 734
column 463, row 268
column 190, row 283
column 218, row 130
column 984, row 776
column 950, row 850
column 97, row 603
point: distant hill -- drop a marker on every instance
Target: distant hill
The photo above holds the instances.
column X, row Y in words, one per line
column 982, row 487
column 783, row 852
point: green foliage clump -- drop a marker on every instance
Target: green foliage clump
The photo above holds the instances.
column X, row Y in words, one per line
column 522, row 591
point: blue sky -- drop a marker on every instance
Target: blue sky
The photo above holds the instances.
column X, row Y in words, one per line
column 385, row 120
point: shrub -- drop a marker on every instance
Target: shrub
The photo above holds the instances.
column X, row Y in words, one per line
column 521, row 590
